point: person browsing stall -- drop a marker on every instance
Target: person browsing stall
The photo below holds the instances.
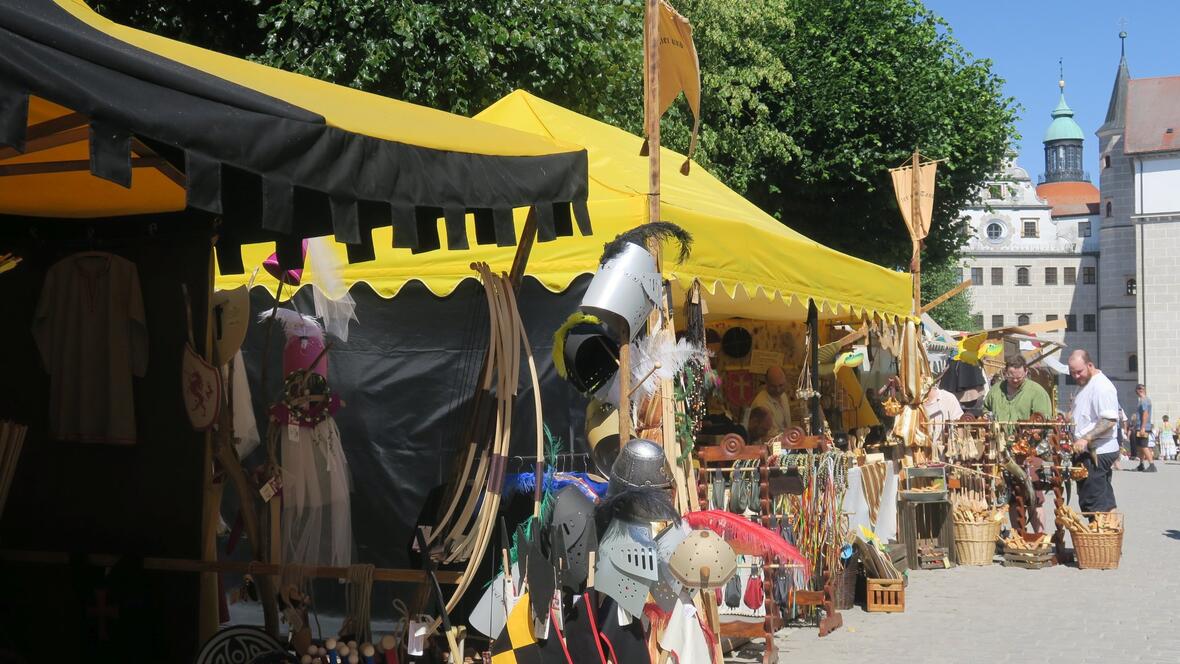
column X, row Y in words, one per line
column 1017, row 399
column 1095, row 420
column 1143, row 437
column 773, row 399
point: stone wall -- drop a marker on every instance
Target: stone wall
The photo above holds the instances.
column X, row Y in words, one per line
column 1159, row 306
column 1117, row 316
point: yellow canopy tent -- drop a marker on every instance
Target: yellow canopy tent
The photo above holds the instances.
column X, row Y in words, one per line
column 751, row 265
column 101, row 120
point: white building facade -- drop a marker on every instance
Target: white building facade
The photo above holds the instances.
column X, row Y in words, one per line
column 1034, row 252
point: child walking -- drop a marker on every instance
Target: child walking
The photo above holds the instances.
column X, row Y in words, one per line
column 1168, row 439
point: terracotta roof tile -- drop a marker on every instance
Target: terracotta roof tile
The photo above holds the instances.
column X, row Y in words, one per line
column 1153, row 115
column 1070, row 198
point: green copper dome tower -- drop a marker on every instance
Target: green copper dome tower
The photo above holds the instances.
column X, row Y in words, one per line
column 1063, row 144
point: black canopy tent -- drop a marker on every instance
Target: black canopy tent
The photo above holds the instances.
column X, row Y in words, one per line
column 116, row 140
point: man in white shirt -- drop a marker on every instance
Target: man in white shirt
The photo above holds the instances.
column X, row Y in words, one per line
column 773, row 399
column 1095, row 421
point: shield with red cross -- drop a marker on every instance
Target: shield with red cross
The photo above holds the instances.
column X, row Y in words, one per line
column 739, row 388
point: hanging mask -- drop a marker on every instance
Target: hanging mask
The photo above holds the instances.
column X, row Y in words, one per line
column 626, row 568
column 666, row 591
column 573, row 515
column 542, row 577
column 491, row 612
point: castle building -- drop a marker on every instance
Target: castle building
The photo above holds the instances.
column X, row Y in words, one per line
column 1139, row 279
column 1034, row 251
column 1107, row 259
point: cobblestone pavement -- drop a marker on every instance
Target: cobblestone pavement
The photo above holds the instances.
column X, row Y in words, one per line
column 1061, row 614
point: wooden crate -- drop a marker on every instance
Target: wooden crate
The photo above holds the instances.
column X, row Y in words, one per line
column 885, row 596
column 1035, row 559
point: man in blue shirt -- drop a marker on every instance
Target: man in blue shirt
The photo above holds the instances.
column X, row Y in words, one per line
column 1142, row 432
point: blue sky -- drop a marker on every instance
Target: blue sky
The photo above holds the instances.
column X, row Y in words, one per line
column 1024, row 40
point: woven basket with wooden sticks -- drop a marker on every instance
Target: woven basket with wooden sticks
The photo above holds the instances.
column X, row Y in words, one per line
column 977, row 527
column 1098, row 541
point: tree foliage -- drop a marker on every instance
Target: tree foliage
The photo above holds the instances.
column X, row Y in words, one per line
column 228, row 26
column 863, row 82
column 461, row 56
column 806, row 103
column 955, row 313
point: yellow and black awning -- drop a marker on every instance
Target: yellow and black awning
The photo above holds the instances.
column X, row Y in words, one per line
column 103, row 120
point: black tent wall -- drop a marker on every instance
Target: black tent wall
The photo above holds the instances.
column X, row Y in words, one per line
column 406, row 375
column 142, row 500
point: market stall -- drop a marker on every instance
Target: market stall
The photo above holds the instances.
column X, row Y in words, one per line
column 126, row 158
column 751, row 269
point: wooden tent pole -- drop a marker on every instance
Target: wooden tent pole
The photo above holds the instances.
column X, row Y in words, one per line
column 208, row 616
column 915, row 224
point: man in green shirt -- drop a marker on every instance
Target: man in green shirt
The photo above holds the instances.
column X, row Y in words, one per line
column 1016, row 400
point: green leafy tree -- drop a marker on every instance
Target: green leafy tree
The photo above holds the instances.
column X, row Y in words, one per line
column 228, row 26
column 955, row 313
column 461, row 56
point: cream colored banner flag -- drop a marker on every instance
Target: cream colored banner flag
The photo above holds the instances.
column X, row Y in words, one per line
column 680, row 70
column 903, row 184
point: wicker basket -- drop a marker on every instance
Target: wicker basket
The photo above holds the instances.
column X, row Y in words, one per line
column 846, row 584
column 1099, row 550
column 975, row 543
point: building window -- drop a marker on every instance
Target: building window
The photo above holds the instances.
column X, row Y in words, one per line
column 1022, row 276
column 1071, row 276
column 1071, row 323
column 997, row 276
column 977, row 276
column 1133, row 363
column 1132, row 287
column 1050, row 276
column 1089, row 275
column 977, row 320
column 1090, row 323
column 1030, row 228
column 1083, row 229
column 1022, row 319
column 1109, row 209
column 1050, row 317
column 1106, row 161
column 997, row 320
column 995, row 231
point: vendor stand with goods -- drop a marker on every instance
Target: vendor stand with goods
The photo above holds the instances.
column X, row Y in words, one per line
column 170, row 153
column 1017, row 451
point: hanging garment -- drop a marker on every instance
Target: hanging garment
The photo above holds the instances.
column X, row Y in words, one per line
column 754, row 597
column 684, row 635
column 245, row 427
column 733, row 592
column 316, row 515
column 92, row 335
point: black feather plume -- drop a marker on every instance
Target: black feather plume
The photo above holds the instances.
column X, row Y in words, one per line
column 657, row 230
column 639, row 504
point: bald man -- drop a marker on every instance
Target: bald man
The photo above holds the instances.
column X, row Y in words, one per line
column 773, row 399
column 1095, row 420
